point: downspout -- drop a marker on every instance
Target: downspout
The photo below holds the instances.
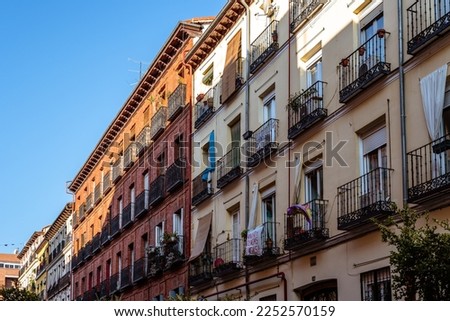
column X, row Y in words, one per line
column 289, row 118
column 68, row 191
column 247, row 120
column 402, row 103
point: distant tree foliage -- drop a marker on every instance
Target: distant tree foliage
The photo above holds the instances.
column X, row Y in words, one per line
column 16, row 294
column 421, row 257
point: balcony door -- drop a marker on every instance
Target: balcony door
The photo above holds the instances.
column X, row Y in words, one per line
column 374, row 49
column 235, row 131
column 235, row 237
column 267, row 134
column 268, row 218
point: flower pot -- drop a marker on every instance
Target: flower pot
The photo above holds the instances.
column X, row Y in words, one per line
column 275, row 36
column 345, row 62
column 361, row 50
column 381, row 33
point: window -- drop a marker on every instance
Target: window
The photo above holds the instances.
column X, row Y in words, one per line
column 131, row 259
column 120, row 209
column 269, row 107
column 119, row 265
column 208, row 75
column 146, row 188
column 132, row 200
column 268, row 217
column 99, row 274
column 159, row 232
column 236, row 236
column 376, row 285
column 314, row 73
column 108, row 269
column 90, row 280
column 314, row 181
column 161, row 166
column 370, row 29
column 373, row 50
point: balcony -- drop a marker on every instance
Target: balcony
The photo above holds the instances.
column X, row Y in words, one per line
column 140, row 270
column 75, row 219
column 114, row 283
column 155, row 262
column 125, row 278
column 143, row 140
column 262, row 142
column 305, row 109
column 90, row 295
column 227, row 257
column 232, row 80
column 129, row 156
column 96, row 242
column 158, row 123
column 201, row 270
column 117, row 170
column 142, row 203
column 116, row 225
column 176, row 102
column 107, row 183
column 98, row 193
column 270, row 250
column 264, row 46
column 365, row 198
column 89, row 203
column 105, row 237
column 429, row 174
column 88, row 250
column 173, row 252
column 204, row 109
column 427, row 20
column 157, row 191
column 201, row 188
column 175, row 174
column 300, row 231
column 302, row 11
column 128, row 215
column 104, row 289
column 362, row 67
column 74, row 262
column 81, row 213
column 229, row 167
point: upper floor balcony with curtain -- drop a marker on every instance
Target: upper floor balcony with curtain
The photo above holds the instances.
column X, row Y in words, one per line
column 264, row 46
column 363, row 66
column 429, row 174
column 206, row 104
column 305, row 109
column 302, row 11
column 175, row 174
column 201, row 188
column 305, row 223
column 227, row 257
column 158, row 122
column 262, row 142
column 176, row 102
column 263, row 246
column 157, row 190
column 229, row 167
column 427, row 20
column 365, row 198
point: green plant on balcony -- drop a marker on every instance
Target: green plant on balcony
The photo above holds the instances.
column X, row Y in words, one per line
column 170, row 238
column 293, row 102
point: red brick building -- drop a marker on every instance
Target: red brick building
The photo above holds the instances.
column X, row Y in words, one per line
column 9, row 270
column 132, row 196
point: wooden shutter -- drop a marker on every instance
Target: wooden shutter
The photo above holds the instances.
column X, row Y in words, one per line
column 229, row 72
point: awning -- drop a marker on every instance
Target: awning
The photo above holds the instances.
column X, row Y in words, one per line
column 204, row 224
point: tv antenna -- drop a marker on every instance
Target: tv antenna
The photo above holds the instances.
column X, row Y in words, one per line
column 137, row 71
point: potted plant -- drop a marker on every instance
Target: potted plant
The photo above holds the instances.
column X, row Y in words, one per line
column 275, row 36
column 170, row 238
column 244, row 234
column 361, row 50
column 345, row 62
column 293, row 102
column 381, row 33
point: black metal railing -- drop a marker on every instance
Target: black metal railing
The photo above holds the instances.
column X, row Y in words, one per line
column 104, row 289
column 426, row 20
column 88, row 250
column 114, row 283
column 205, row 106
column 129, row 156
column 96, row 242
column 429, row 172
column 264, row 46
column 105, row 237
column 140, row 269
column 176, row 101
column 126, row 277
column 81, row 212
column 228, row 257
column 229, row 167
column 155, row 262
column 157, row 190
column 128, row 215
column 200, row 269
column 302, row 10
column 301, row 229
column 364, row 198
column 107, row 182
column 117, row 169
column 262, row 142
column 201, row 188
column 98, row 193
column 143, row 140
column 175, row 174
column 142, row 203
column 266, row 249
column 75, row 219
column 305, row 109
column 90, row 295
column 362, row 67
column 89, row 202
column 158, row 122
column 173, row 251
column 116, row 224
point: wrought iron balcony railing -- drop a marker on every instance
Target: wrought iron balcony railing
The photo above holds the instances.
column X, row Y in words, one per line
column 107, row 182
column 75, row 219
column 429, row 173
column 140, row 269
column 301, row 11
column 262, row 142
column 158, row 122
column 116, row 225
column 142, row 203
column 205, row 107
column 201, row 188
column 176, row 102
column 363, row 66
column 105, row 236
column 229, row 167
column 89, row 202
column 157, row 190
column 90, row 295
column 81, row 212
column 98, row 193
column 175, row 174
column 114, row 283
column 129, row 156
column 88, row 250
column 228, row 257
column 117, row 169
column 427, row 20
column 155, row 262
column 264, row 46
column 201, row 270
column 173, row 251
column 305, row 109
column 270, row 248
column 364, row 198
column 104, row 289
column 126, row 277
column 128, row 215
column 143, row 140
column 300, row 230
column 96, row 242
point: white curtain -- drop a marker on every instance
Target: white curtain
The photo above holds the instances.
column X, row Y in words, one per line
column 298, row 180
column 252, row 218
column 432, row 88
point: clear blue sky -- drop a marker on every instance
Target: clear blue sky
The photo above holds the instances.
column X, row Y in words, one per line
column 65, row 71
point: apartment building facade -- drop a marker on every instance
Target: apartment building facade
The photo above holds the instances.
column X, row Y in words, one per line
column 132, row 196
column 324, row 101
column 9, row 270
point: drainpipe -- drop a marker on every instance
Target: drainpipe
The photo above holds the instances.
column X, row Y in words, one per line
column 246, row 116
column 68, row 191
column 402, row 103
column 289, row 118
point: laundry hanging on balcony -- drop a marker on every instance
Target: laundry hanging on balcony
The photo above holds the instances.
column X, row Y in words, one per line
column 206, row 176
